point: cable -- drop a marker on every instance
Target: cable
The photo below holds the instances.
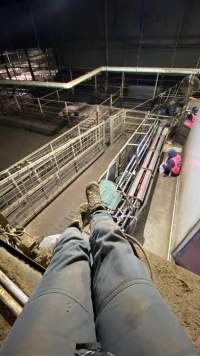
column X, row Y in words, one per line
column 132, row 240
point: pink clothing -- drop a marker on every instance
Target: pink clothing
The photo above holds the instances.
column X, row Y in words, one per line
column 178, row 161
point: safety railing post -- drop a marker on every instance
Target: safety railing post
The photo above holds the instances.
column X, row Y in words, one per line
column 156, row 85
column 71, row 78
column 95, row 83
column 74, row 159
column 40, row 106
column 67, row 112
column 122, row 85
column 17, row 103
column 111, row 100
column 110, row 104
column 97, row 114
column 79, row 133
column 111, row 130
column 58, row 96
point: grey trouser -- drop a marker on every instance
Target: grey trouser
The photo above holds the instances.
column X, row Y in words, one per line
column 129, row 318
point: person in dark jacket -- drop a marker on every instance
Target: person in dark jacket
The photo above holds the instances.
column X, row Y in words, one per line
column 172, row 165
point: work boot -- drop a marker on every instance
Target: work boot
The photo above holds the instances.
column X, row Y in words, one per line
column 93, row 197
column 81, row 217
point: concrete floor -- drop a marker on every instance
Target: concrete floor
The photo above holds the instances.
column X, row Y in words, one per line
column 158, row 223
column 57, row 216
column 16, row 143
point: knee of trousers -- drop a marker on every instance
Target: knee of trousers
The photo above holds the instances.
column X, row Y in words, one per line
column 51, row 324
column 105, row 227
column 137, row 321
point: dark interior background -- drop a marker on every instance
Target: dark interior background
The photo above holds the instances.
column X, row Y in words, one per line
column 105, row 32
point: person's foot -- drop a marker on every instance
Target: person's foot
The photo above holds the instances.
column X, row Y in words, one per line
column 93, row 197
column 81, row 217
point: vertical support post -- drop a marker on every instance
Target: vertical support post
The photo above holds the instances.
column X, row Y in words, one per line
column 122, row 85
column 167, row 96
column 48, row 63
column 29, row 64
column 7, row 71
column 40, row 106
column 67, row 112
column 110, row 106
column 79, row 133
column 156, row 85
column 124, row 120
column 95, row 83
column 56, row 163
column 58, row 96
column 11, row 66
column 111, row 130
column 5, row 65
column 97, row 114
column 17, row 103
column 75, row 163
column 20, row 64
column 71, row 78
column 106, row 82
column 111, row 101
column 96, row 135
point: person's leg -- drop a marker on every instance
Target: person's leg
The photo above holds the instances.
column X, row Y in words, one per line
column 131, row 316
column 59, row 314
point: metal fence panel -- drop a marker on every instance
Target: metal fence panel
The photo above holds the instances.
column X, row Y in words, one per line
column 28, row 187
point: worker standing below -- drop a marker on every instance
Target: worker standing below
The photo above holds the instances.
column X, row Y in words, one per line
column 104, row 306
column 172, row 165
column 191, row 117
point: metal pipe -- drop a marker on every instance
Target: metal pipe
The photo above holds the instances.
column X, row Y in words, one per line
column 134, row 186
column 148, row 175
column 59, row 85
column 10, row 302
column 167, row 70
column 91, row 74
column 13, row 289
column 156, row 84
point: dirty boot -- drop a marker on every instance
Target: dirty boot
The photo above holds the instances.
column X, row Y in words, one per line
column 93, row 197
column 81, row 217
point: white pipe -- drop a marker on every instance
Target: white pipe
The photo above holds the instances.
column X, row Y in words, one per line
column 10, row 302
column 91, row 74
column 153, row 70
column 68, row 85
column 13, row 288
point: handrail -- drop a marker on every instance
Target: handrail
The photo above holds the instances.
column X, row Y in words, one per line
column 71, row 84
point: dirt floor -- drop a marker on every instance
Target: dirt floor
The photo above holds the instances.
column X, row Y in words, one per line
column 16, row 143
column 181, row 290
column 57, row 216
column 22, row 275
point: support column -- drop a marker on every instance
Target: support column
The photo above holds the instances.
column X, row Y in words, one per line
column 95, row 83
column 71, row 78
column 40, row 106
column 17, row 103
column 122, row 85
column 156, row 85
column 29, row 64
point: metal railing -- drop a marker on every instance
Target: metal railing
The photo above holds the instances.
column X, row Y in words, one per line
column 29, row 185
column 134, row 148
column 132, row 170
